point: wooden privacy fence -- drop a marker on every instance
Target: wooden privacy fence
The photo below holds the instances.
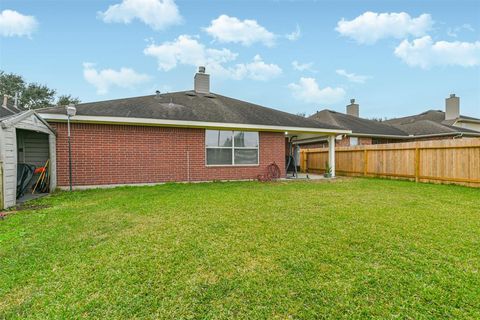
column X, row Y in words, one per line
column 443, row 161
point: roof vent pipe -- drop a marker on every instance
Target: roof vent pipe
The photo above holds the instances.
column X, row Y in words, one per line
column 353, row 108
column 157, row 94
column 15, row 103
column 201, row 83
column 452, row 107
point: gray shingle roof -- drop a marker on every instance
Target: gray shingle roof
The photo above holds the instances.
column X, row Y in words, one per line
column 5, row 112
column 429, row 122
column 356, row 124
column 191, row 106
column 427, row 127
column 10, row 109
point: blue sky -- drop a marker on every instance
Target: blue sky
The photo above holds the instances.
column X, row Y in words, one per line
column 395, row 57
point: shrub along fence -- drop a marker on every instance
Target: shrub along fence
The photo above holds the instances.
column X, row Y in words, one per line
column 442, row 161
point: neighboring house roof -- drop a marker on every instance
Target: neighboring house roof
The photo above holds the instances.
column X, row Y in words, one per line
column 189, row 106
column 430, row 122
column 4, row 112
column 429, row 127
column 9, row 110
column 356, row 124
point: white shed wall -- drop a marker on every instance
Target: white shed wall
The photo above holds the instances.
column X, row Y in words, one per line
column 8, row 150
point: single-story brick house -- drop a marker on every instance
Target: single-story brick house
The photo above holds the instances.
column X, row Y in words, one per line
column 191, row 135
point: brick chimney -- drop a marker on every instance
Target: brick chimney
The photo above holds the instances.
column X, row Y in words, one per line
column 452, row 107
column 201, row 81
column 353, row 108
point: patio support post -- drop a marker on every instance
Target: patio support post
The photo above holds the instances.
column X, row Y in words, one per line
column 331, row 154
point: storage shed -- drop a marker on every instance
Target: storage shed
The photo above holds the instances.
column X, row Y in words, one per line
column 25, row 138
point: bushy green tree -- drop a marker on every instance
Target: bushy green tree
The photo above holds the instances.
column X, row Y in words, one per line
column 67, row 99
column 31, row 95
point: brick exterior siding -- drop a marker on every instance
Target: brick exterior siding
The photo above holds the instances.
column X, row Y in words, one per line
column 345, row 142
column 363, row 141
column 122, row 154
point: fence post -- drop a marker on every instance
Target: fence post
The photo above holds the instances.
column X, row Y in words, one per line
column 417, row 164
column 304, row 164
column 365, row 162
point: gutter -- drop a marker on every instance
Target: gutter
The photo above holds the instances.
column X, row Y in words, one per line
column 467, row 120
column 187, row 124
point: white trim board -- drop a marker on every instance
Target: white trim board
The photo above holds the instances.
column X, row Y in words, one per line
column 188, row 124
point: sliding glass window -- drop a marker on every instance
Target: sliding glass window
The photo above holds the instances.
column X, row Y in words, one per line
column 230, row 148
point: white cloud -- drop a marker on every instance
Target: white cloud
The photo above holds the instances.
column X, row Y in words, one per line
column 189, row 51
column 246, row 32
column 425, row 53
column 307, row 90
column 13, row 23
column 106, row 78
column 302, row 66
column 186, row 50
column 158, row 14
column 453, row 32
column 352, row 77
column 370, row 27
column 255, row 70
column 295, row 35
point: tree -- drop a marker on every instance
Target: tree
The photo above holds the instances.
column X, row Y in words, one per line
column 66, row 99
column 11, row 83
column 31, row 95
column 379, row 119
column 36, row 96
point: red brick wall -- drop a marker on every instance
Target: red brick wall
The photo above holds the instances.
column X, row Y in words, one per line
column 431, row 138
column 345, row 142
column 362, row 141
column 121, row 154
column 314, row 145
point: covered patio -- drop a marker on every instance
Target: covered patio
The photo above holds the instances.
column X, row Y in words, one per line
column 293, row 153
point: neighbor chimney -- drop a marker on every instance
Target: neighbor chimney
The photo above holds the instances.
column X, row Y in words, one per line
column 202, row 81
column 452, row 107
column 353, row 108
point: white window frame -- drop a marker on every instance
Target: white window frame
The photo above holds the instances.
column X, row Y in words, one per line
column 233, row 148
column 357, row 141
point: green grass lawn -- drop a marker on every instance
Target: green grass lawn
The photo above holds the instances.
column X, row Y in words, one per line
column 355, row 248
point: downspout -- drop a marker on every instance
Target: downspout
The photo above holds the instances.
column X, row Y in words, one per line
column 188, row 166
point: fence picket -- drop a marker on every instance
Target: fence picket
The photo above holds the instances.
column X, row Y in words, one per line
column 452, row 161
